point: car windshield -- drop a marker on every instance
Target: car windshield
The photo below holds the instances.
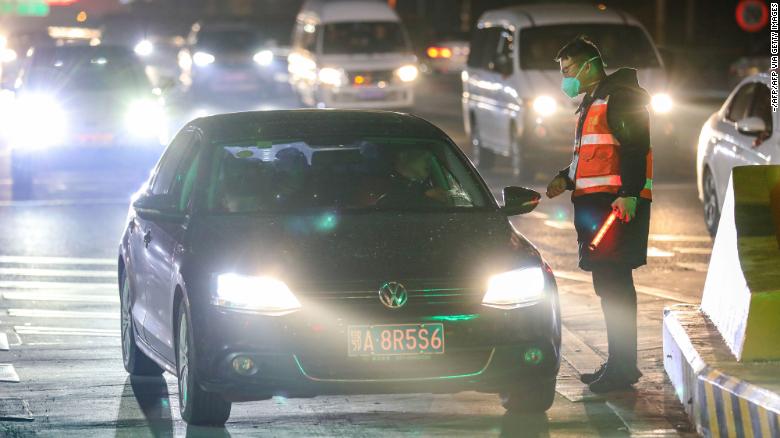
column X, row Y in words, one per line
column 538, row 45
column 290, row 175
column 86, row 69
column 240, row 39
column 357, row 38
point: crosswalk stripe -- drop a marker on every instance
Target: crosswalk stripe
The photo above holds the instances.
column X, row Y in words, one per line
column 32, row 272
column 35, row 260
column 698, row 267
column 15, row 284
column 45, row 313
column 71, row 331
column 59, row 296
column 660, row 293
column 680, row 238
column 697, row 251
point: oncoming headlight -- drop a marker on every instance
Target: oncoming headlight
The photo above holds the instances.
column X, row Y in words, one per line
column 513, row 289
column 545, row 105
column 661, row 103
column 202, row 59
column 264, row 58
column 407, row 73
column 265, row 295
column 331, row 76
column 37, row 121
column 146, row 118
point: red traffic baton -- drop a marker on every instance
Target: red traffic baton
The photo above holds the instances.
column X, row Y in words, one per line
column 603, row 230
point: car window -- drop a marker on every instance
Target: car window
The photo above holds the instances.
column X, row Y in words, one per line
column 483, row 47
column 762, row 108
column 333, row 173
column 170, row 162
column 184, row 179
column 347, row 38
column 740, row 104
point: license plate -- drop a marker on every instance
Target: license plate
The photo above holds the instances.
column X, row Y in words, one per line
column 372, row 94
column 395, row 339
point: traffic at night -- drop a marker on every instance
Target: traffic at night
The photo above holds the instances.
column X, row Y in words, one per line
column 514, row 218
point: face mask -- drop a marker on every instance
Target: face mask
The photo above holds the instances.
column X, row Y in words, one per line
column 571, row 86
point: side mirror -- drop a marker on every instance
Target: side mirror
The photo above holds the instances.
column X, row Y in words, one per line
column 520, row 200
column 752, row 126
column 158, row 208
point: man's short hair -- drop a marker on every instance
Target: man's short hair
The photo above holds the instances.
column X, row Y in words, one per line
column 581, row 49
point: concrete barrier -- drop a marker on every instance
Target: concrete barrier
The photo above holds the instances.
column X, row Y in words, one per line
column 742, row 290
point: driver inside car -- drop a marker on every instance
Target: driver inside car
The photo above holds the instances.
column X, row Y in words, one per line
column 411, row 183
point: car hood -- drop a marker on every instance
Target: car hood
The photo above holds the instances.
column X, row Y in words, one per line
column 329, row 248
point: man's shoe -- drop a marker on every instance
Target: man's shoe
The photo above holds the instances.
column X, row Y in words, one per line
column 609, row 382
column 588, row 378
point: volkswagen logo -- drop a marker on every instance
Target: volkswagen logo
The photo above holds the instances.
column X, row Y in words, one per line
column 393, row 295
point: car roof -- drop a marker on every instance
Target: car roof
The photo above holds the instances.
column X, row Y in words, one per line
column 550, row 14
column 313, row 123
column 347, row 10
column 758, row 77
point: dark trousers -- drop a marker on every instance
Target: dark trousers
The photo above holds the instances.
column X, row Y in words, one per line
column 614, row 284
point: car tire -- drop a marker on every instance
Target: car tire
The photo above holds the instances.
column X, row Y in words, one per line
column 532, row 397
column 710, row 202
column 197, row 406
column 482, row 157
column 136, row 362
column 21, row 179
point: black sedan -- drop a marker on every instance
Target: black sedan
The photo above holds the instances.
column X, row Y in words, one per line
column 311, row 252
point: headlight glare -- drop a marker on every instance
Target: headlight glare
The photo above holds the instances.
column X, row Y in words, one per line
column 202, row 59
column 661, row 103
column 264, row 58
column 408, row 73
column 262, row 294
column 545, row 105
column 144, row 48
column 37, row 121
column 146, row 118
column 331, row 76
column 513, row 289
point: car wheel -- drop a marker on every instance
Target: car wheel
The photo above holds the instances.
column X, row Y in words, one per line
column 711, row 208
column 135, row 361
column 530, row 397
column 482, row 157
column 21, row 179
column 197, row 407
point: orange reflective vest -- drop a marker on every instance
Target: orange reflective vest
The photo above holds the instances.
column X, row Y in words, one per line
column 596, row 164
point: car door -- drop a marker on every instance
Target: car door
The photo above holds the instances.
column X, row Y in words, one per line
column 484, row 85
column 505, row 95
column 159, row 243
column 752, row 149
column 726, row 138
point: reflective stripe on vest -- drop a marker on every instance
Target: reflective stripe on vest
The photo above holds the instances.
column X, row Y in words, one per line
column 599, row 139
column 608, row 180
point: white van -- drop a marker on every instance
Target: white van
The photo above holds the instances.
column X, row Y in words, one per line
column 512, row 102
column 352, row 54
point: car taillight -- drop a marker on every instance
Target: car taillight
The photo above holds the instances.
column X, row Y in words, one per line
column 438, row 52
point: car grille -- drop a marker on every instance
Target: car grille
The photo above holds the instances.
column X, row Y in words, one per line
column 371, row 77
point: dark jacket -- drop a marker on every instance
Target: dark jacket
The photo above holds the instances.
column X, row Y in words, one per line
column 628, row 118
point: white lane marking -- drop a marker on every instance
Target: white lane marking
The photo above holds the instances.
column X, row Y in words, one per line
column 697, row 251
column 561, row 225
column 59, row 296
column 536, row 215
column 692, row 266
column 680, row 238
column 8, row 373
column 36, row 260
column 660, row 293
column 12, row 284
column 32, row 272
column 657, row 252
column 3, row 342
column 46, row 313
column 70, row 331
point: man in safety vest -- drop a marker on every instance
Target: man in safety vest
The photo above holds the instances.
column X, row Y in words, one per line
column 611, row 171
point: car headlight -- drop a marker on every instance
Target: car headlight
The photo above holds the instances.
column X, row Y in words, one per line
column 545, row 105
column 202, row 59
column 144, row 48
column 264, row 57
column 38, row 121
column 331, row 76
column 513, row 289
column 266, row 295
column 407, row 73
column 146, row 118
column 661, row 103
